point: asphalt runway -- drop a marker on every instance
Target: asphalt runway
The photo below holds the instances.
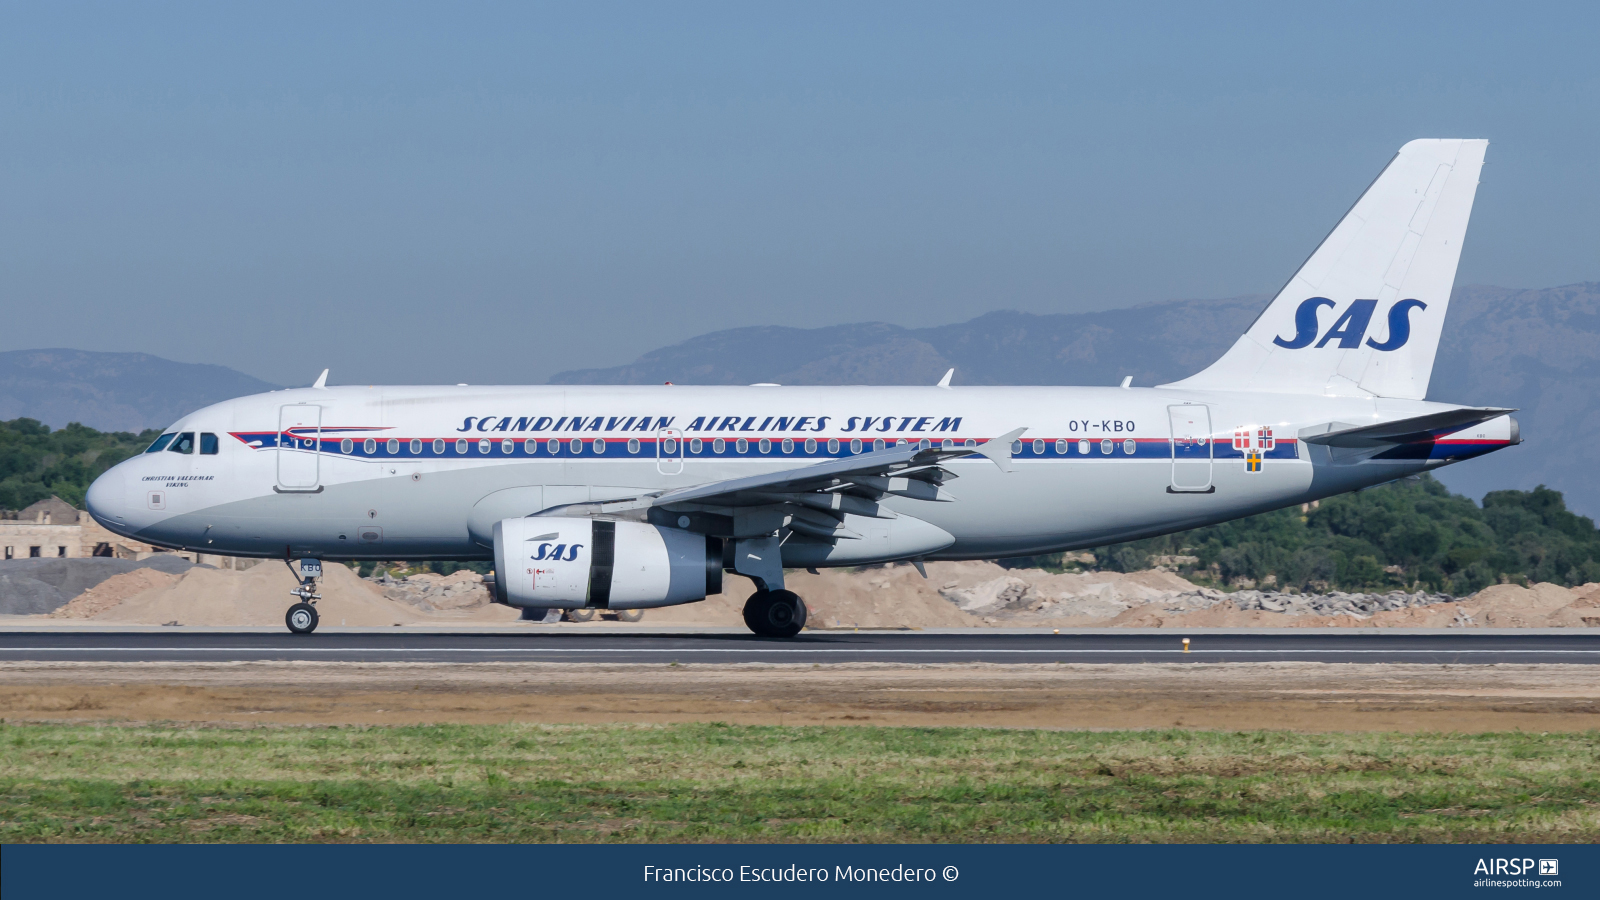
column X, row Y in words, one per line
column 1463, row 648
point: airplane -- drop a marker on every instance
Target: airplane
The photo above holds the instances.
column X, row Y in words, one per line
column 633, row 497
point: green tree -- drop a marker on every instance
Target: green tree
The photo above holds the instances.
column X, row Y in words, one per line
column 1411, row 534
column 36, row 462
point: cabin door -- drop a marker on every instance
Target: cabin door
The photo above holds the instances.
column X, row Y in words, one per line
column 1191, row 448
column 299, row 445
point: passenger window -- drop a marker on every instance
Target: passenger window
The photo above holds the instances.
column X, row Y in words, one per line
column 184, row 443
column 878, row 444
column 633, row 445
column 1083, row 447
column 719, row 445
column 576, row 444
column 483, row 446
column 438, row 446
column 788, row 445
column 766, row 446
column 855, row 445
column 346, row 445
column 1129, row 446
column 811, row 445
column 695, row 445
column 369, row 446
column 162, row 442
column 416, row 447
column 392, row 446
column 1061, row 447
column 599, row 445
column 947, row 444
column 461, row 446
column 208, row 444
column 1038, row 447
column 833, row 445
column 743, row 445
column 1105, row 447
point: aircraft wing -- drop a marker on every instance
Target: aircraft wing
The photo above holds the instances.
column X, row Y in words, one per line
column 812, row 499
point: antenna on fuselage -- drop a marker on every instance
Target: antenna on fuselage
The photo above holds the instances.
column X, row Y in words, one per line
column 322, row 381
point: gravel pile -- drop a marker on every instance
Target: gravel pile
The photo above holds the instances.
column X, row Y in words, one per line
column 36, row 586
column 1009, row 599
column 1335, row 603
column 430, row 592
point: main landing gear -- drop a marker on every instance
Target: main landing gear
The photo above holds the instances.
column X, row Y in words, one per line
column 302, row 617
column 775, row 613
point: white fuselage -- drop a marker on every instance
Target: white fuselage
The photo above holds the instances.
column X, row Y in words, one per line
column 404, row 472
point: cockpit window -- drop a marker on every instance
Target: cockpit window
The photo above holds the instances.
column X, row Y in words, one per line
column 184, row 443
column 208, row 444
column 162, row 442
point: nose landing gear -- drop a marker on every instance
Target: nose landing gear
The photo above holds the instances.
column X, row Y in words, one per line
column 302, row 617
column 775, row 613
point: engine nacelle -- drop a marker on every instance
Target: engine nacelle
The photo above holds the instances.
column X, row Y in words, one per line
column 568, row 563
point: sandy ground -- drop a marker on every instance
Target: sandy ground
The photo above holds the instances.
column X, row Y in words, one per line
column 1295, row 696
column 954, row 595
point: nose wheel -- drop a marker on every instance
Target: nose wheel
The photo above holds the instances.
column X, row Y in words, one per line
column 775, row 613
column 301, row 618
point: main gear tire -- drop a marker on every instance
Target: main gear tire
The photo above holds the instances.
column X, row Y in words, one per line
column 581, row 615
column 301, row 618
column 775, row 613
column 629, row 615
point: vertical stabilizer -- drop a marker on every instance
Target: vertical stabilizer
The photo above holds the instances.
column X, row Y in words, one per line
column 1363, row 315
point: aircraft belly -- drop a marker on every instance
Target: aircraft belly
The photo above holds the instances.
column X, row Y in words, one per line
column 1050, row 506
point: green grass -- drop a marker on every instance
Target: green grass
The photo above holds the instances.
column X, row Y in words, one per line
column 711, row 782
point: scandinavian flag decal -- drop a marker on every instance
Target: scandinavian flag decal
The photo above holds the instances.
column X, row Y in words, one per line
column 1253, row 437
column 1253, row 441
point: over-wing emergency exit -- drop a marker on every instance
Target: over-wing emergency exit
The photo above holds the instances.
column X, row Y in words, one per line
column 635, row 497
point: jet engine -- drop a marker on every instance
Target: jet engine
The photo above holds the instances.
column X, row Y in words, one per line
column 568, row 563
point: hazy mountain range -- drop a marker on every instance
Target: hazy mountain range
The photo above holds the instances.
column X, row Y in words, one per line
column 1536, row 350
column 112, row 391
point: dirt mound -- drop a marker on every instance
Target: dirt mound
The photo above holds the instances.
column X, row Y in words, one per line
column 888, row 597
column 111, row 592
column 1035, row 597
column 256, row 596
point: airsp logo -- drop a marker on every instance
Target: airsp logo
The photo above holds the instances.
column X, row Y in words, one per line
column 1350, row 327
column 1503, row 866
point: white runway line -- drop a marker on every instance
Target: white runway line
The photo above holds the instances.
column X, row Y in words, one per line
column 683, row 651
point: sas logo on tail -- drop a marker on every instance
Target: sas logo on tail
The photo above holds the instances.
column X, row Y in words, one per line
column 553, row 552
column 1351, row 327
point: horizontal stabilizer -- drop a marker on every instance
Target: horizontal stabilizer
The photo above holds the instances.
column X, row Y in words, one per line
column 1400, row 431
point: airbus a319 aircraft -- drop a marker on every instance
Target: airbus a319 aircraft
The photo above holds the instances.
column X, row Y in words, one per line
column 632, row 497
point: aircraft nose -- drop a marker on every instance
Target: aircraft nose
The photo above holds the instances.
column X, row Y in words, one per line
column 107, row 498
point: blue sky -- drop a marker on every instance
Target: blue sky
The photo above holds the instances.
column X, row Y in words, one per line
column 493, row 193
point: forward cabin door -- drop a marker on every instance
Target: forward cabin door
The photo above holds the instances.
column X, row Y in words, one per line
column 1191, row 449
column 299, row 438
